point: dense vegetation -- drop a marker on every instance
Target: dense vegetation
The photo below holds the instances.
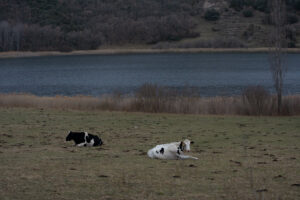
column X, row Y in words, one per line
column 261, row 5
column 86, row 24
column 151, row 98
column 67, row 25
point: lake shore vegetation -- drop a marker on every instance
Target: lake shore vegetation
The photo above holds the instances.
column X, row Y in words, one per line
column 152, row 98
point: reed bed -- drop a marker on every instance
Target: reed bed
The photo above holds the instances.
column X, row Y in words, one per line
column 220, row 105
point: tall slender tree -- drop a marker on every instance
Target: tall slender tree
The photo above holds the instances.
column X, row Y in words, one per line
column 278, row 40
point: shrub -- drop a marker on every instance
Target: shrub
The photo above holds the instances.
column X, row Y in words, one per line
column 250, row 31
column 203, row 43
column 237, row 4
column 290, row 105
column 256, row 99
column 248, row 13
column 297, row 5
column 261, row 5
column 292, row 19
column 291, row 44
column 291, row 36
column 240, row 4
column 151, row 98
column 267, row 19
column 212, row 15
column 294, row 3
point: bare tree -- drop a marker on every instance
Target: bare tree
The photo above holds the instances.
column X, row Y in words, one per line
column 278, row 39
column 5, row 30
column 17, row 31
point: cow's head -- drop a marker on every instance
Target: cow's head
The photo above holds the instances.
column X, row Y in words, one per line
column 185, row 145
column 70, row 136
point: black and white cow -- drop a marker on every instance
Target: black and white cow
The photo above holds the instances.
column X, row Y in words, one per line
column 171, row 151
column 84, row 139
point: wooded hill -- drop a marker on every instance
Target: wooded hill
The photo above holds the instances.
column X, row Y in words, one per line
column 67, row 25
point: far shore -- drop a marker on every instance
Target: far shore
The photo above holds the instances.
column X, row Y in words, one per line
column 19, row 54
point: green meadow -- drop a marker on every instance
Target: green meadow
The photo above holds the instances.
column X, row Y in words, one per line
column 240, row 157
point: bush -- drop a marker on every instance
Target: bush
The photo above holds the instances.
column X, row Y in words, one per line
column 294, row 3
column 297, row 5
column 256, row 99
column 240, row 4
column 152, row 98
column 248, row 13
column 292, row 19
column 267, row 19
column 261, row 5
column 212, row 15
column 213, row 43
column 237, row 4
column 291, row 36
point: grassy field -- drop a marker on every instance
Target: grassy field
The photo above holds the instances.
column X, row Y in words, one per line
column 239, row 157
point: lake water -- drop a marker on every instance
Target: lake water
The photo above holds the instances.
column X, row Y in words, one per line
column 210, row 74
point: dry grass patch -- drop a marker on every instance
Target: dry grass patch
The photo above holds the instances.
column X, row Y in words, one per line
column 157, row 99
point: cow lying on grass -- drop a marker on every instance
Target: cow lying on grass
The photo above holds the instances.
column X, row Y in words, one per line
column 84, row 139
column 172, row 150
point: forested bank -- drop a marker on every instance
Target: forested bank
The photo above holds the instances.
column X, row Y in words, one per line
column 66, row 25
column 86, row 24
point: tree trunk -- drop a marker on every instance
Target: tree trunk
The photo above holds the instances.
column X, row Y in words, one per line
column 278, row 41
column 279, row 102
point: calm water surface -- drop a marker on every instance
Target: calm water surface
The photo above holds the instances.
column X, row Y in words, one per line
column 209, row 74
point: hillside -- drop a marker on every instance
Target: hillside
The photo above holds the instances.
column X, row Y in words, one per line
column 66, row 25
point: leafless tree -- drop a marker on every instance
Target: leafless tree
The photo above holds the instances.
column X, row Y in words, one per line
column 5, row 30
column 278, row 40
column 17, row 31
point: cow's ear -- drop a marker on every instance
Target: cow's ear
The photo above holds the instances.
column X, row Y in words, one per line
column 192, row 142
column 181, row 146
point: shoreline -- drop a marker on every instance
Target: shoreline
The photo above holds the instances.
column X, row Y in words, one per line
column 218, row 105
column 22, row 54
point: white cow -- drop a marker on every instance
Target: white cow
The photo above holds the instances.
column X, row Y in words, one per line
column 171, row 151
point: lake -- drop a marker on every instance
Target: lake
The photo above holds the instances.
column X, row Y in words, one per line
column 210, row 74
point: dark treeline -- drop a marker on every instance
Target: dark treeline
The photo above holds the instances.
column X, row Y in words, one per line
column 67, row 25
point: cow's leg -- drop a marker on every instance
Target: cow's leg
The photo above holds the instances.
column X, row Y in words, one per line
column 81, row 144
column 180, row 156
column 91, row 143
